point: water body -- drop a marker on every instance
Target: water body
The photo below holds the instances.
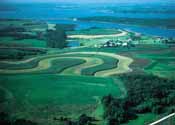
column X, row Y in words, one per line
column 64, row 13
column 73, row 44
column 154, row 31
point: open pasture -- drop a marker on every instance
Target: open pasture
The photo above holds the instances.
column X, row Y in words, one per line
column 54, row 95
column 161, row 64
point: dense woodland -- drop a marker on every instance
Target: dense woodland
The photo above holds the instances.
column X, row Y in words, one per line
column 145, row 93
column 56, row 38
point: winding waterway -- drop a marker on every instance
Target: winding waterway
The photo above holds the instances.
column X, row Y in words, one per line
column 67, row 13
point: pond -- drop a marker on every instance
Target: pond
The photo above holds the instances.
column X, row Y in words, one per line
column 73, row 44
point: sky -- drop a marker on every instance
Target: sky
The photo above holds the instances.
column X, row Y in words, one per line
column 95, row 1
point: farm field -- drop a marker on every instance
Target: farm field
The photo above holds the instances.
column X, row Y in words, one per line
column 27, row 34
column 162, row 64
column 70, row 81
column 99, row 63
column 52, row 98
column 67, row 64
column 86, row 39
column 26, row 42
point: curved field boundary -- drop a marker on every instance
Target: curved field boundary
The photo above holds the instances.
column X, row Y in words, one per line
column 123, row 63
column 29, row 63
column 90, row 62
column 61, row 64
column 47, row 63
column 42, row 65
column 108, row 63
column 20, row 62
column 123, row 33
column 13, row 66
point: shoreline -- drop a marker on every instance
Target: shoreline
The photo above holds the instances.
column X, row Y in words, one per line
column 162, row 31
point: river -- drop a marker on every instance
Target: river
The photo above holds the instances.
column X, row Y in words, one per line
column 67, row 13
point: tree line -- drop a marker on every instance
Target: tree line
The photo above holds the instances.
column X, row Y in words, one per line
column 56, row 38
column 145, row 93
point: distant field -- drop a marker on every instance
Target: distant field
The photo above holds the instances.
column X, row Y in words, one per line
column 23, row 33
column 138, row 48
column 94, row 31
column 54, row 94
column 25, row 42
column 162, row 64
column 28, row 24
column 95, row 36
